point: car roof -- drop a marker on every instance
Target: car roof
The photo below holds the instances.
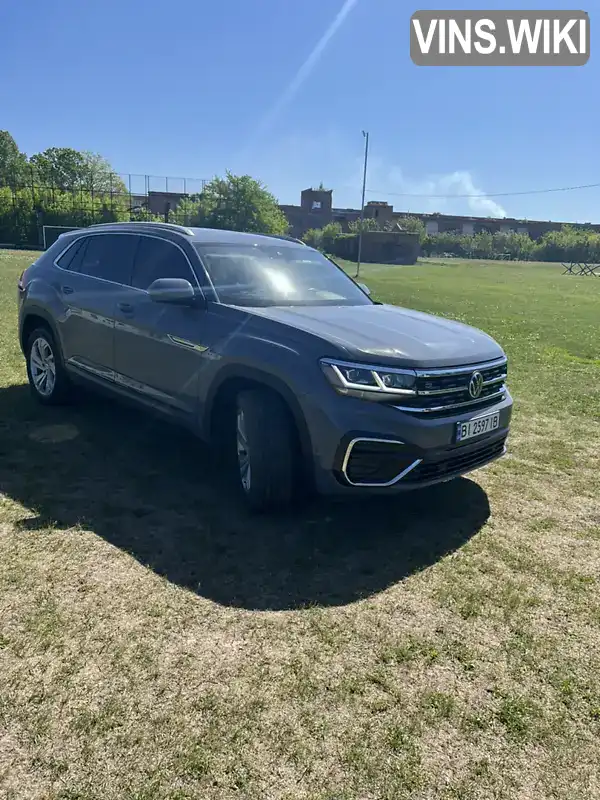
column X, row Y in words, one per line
column 213, row 235
column 192, row 234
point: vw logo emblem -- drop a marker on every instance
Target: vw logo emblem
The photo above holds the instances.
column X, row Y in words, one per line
column 475, row 385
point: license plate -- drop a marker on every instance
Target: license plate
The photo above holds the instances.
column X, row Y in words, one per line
column 477, row 426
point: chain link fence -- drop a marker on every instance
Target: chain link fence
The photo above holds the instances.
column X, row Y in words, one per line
column 34, row 212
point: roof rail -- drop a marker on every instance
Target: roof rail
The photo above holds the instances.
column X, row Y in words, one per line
column 287, row 238
column 142, row 224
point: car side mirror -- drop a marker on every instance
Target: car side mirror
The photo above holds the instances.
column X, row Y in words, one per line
column 365, row 288
column 172, row 290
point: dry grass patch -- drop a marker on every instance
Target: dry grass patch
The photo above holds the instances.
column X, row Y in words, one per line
column 157, row 643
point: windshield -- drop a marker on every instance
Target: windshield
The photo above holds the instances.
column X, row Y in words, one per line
column 277, row 275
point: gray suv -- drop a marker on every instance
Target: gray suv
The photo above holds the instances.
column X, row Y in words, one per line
column 268, row 350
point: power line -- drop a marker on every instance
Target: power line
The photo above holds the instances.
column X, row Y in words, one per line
column 486, row 194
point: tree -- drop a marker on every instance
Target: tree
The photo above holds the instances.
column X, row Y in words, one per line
column 412, row 225
column 366, row 225
column 569, row 244
column 517, row 245
column 323, row 238
column 73, row 170
column 100, row 175
column 12, row 162
column 314, row 238
column 188, row 212
column 240, row 203
column 329, row 234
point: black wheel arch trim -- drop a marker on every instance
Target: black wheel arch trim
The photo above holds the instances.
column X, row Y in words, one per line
column 36, row 311
column 258, row 376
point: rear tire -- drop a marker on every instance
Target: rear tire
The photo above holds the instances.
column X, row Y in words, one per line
column 48, row 379
column 265, row 449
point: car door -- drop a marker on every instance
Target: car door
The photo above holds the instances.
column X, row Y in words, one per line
column 87, row 280
column 158, row 346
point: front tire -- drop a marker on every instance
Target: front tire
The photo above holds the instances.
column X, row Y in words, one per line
column 265, row 450
column 47, row 376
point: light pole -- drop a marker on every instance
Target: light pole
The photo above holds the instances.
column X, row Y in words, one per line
column 362, row 205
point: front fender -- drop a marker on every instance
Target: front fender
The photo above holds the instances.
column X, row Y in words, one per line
column 254, row 374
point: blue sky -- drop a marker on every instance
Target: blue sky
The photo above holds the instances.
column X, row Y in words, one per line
column 195, row 87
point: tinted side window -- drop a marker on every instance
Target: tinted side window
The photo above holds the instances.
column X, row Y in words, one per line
column 70, row 259
column 109, row 256
column 157, row 258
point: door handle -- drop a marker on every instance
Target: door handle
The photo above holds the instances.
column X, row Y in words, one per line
column 67, row 290
column 126, row 308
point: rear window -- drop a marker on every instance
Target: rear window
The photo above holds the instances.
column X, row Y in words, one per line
column 66, row 261
column 108, row 256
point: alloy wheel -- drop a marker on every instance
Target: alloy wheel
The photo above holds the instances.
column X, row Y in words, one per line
column 243, row 453
column 42, row 367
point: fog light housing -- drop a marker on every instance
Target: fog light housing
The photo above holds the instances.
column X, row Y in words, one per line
column 377, row 462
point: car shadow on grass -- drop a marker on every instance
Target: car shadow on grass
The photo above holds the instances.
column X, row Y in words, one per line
column 152, row 490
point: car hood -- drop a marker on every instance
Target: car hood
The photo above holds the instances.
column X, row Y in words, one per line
column 385, row 334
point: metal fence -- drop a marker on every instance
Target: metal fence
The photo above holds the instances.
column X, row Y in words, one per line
column 30, row 205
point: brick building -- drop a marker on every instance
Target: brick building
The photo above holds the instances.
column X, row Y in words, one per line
column 314, row 212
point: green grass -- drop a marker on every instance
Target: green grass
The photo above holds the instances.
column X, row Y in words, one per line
column 547, row 322
column 157, row 642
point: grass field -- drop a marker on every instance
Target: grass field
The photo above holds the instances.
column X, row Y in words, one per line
column 156, row 642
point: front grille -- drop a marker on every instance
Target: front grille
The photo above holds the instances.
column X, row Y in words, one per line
column 376, row 462
column 441, row 392
column 457, row 463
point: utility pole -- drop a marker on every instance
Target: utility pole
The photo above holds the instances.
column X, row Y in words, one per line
column 362, row 205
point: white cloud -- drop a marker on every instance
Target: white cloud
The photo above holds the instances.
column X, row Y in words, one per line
column 458, row 190
column 461, row 183
column 302, row 159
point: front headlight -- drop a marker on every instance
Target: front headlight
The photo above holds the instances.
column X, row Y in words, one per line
column 367, row 382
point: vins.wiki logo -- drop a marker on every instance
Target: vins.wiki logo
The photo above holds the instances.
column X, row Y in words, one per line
column 500, row 38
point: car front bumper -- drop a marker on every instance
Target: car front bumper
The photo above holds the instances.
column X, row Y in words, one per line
column 420, row 452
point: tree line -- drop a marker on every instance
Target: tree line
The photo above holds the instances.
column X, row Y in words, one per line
column 66, row 187
column 570, row 244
